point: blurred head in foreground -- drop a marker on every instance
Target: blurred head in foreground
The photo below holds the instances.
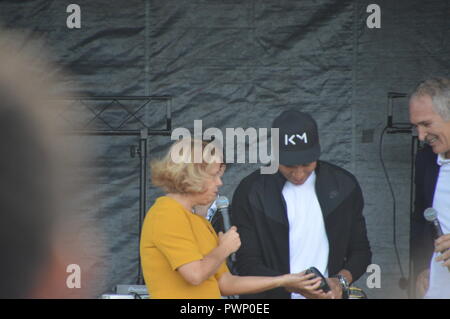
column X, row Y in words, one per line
column 34, row 259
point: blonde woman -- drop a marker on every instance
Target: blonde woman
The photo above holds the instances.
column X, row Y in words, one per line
column 182, row 256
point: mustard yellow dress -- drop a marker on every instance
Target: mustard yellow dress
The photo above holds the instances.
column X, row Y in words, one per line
column 171, row 237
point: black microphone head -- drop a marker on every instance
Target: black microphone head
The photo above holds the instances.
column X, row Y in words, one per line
column 430, row 214
column 222, row 202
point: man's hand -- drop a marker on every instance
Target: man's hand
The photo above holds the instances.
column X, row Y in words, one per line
column 335, row 284
column 308, row 286
column 422, row 283
column 336, row 288
column 442, row 245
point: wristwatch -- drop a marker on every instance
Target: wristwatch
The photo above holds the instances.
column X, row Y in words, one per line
column 344, row 285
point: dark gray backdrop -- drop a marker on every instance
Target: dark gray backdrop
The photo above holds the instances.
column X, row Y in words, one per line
column 239, row 64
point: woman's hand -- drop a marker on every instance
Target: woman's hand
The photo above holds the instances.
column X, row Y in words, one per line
column 306, row 285
column 230, row 241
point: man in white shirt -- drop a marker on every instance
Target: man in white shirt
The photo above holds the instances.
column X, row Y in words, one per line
column 430, row 112
column 308, row 214
column 306, row 226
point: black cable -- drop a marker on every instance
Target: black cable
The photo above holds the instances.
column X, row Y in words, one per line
column 394, row 209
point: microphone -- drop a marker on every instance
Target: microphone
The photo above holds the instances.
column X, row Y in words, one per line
column 222, row 204
column 430, row 215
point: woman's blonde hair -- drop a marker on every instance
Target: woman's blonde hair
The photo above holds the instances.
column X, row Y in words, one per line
column 184, row 168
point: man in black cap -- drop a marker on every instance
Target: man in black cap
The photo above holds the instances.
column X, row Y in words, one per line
column 307, row 214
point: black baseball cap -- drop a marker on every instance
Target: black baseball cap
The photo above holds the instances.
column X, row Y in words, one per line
column 298, row 138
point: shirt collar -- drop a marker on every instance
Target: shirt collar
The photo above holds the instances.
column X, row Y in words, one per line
column 441, row 160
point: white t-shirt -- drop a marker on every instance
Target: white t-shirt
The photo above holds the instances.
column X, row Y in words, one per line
column 439, row 275
column 308, row 241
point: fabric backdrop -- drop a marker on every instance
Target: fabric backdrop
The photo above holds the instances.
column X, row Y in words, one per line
column 239, row 64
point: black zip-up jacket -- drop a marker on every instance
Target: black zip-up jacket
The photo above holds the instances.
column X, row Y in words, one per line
column 260, row 214
column 422, row 233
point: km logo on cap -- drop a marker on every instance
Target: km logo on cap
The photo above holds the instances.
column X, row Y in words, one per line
column 290, row 139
